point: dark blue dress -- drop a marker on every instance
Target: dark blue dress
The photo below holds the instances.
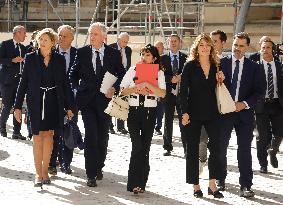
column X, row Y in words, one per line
column 50, row 115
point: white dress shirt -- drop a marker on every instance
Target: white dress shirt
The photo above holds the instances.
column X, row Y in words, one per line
column 273, row 67
column 128, row 82
column 175, row 91
column 123, row 55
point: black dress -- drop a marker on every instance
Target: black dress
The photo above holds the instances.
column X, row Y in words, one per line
column 49, row 116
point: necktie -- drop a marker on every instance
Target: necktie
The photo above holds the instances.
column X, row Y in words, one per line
column 175, row 65
column 19, row 53
column 64, row 54
column 235, row 79
column 121, row 52
column 98, row 65
column 270, row 86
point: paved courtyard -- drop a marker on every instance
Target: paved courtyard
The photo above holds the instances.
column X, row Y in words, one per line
column 166, row 183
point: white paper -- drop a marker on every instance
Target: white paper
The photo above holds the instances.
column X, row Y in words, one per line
column 107, row 82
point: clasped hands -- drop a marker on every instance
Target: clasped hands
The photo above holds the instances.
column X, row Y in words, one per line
column 18, row 59
column 176, row 79
column 142, row 88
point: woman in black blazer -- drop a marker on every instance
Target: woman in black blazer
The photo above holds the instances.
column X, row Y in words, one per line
column 48, row 92
column 199, row 108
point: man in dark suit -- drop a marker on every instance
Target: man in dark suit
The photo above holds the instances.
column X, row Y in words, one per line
column 172, row 63
column 244, row 82
column 126, row 55
column 65, row 155
column 269, row 109
column 12, row 54
column 92, row 62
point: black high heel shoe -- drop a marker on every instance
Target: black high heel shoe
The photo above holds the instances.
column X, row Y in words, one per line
column 217, row 194
column 46, row 181
column 198, row 194
column 38, row 183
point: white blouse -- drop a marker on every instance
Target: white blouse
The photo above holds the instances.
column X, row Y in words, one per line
column 128, row 82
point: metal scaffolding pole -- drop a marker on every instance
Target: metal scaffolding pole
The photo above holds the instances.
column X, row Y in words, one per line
column 281, row 33
column 241, row 21
column 77, row 20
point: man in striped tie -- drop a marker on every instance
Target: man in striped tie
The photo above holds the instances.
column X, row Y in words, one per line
column 269, row 110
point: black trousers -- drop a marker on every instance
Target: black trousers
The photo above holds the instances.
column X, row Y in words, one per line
column 243, row 122
column 120, row 124
column 170, row 102
column 8, row 98
column 57, row 147
column 141, row 123
column 96, row 124
column 192, row 133
column 270, row 128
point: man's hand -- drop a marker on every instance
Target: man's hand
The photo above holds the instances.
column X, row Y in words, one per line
column 185, row 119
column 220, row 77
column 240, row 106
column 18, row 59
column 176, row 79
column 18, row 115
column 110, row 92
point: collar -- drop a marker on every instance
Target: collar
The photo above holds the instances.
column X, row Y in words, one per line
column 119, row 48
column 15, row 42
column 61, row 50
column 172, row 54
column 265, row 62
column 100, row 50
column 241, row 59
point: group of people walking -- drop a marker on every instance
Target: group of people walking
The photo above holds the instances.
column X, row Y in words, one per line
column 58, row 80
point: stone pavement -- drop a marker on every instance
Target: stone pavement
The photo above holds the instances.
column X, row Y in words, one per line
column 166, row 183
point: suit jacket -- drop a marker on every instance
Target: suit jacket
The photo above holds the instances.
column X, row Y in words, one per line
column 279, row 75
column 73, row 53
column 128, row 52
column 168, row 70
column 251, row 86
column 86, row 82
column 30, row 86
column 200, row 102
column 9, row 71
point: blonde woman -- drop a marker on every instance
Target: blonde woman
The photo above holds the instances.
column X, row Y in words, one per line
column 48, row 93
column 199, row 108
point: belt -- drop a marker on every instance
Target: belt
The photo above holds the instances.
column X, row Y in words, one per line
column 45, row 89
column 271, row 100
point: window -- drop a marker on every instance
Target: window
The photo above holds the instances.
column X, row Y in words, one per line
column 68, row 2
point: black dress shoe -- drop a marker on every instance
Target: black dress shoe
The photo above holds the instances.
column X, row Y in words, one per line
column 3, row 133
column 111, row 130
column 18, row 136
column 66, row 169
column 220, row 185
column 123, row 131
column 198, row 194
column 91, row 183
column 217, row 194
column 167, row 153
column 273, row 158
column 52, row 171
column 246, row 192
column 158, row 132
column 99, row 175
column 263, row 170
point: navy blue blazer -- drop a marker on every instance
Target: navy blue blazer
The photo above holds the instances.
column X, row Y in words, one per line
column 9, row 73
column 279, row 75
column 86, row 82
column 73, row 53
column 168, row 70
column 30, row 86
column 128, row 52
column 251, row 86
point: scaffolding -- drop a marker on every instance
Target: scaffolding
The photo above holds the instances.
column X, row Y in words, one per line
column 153, row 17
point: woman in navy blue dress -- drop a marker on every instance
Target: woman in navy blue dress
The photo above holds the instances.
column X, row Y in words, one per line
column 48, row 95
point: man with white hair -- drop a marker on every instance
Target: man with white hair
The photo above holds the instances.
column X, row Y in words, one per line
column 92, row 62
column 126, row 54
column 64, row 47
column 12, row 54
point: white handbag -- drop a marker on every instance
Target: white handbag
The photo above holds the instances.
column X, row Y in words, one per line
column 225, row 102
column 118, row 107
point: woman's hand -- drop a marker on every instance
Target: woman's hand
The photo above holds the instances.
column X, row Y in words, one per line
column 220, row 77
column 70, row 114
column 185, row 119
column 18, row 115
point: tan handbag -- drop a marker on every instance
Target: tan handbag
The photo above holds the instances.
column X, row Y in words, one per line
column 118, row 107
column 225, row 102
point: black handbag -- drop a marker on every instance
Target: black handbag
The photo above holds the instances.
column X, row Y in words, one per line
column 72, row 135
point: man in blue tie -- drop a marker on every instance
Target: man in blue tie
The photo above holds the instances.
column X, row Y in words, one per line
column 243, row 78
